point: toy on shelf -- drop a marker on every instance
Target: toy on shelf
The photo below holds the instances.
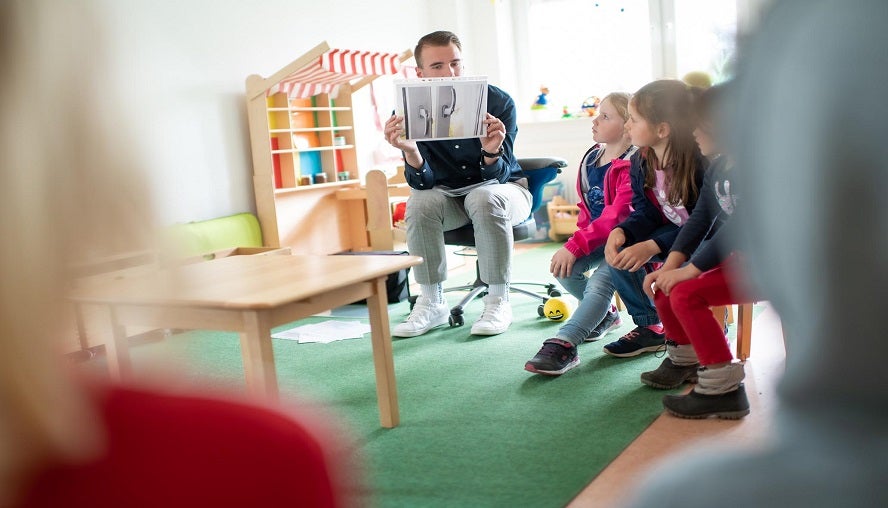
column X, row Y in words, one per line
column 591, row 105
column 542, row 101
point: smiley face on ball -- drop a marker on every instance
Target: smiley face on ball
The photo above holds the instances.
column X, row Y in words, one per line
column 556, row 309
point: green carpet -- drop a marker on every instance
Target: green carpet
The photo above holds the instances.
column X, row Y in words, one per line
column 476, row 429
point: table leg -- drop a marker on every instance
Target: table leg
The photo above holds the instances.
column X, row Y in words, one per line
column 383, row 361
column 81, row 326
column 744, row 331
column 117, row 349
column 258, row 356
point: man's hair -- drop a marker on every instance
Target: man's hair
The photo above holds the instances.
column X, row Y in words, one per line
column 439, row 38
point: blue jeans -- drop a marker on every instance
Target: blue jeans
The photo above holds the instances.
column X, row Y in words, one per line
column 594, row 294
column 630, row 287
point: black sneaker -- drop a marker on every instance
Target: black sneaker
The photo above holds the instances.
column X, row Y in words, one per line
column 669, row 375
column 729, row 406
column 611, row 320
column 640, row 340
column 555, row 358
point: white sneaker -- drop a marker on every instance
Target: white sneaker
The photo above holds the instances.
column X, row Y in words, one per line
column 495, row 319
column 424, row 316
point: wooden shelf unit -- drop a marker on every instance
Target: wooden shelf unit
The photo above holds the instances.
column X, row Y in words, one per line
column 292, row 138
column 306, row 133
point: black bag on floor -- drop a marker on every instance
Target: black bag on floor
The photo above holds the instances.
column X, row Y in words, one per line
column 397, row 286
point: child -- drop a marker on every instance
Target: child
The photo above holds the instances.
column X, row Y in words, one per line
column 683, row 293
column 68, row 438
column 666, row 174
column 603, row 184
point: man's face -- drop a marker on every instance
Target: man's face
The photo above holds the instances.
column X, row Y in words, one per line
column 440, row 62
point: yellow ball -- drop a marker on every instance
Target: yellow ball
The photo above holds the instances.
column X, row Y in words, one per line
column 557, row 309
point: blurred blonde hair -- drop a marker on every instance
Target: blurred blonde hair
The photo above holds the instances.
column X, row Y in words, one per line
column 620, row 102
column 69, row 190
column 697, row 79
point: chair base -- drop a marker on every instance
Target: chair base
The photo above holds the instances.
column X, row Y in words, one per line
column 478, row 289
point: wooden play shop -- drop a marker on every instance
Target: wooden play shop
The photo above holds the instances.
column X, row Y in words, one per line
column 303, row 141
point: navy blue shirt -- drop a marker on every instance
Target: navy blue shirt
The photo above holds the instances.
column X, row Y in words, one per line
column 458, row 162
column 595, row 195
column 646, row 217
column 706, row 238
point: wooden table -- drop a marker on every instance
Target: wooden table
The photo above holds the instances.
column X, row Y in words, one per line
column 250, row 295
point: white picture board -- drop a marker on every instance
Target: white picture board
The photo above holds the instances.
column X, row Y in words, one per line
column 442, row 108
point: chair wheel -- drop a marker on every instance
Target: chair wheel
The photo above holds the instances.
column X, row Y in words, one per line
column 456, row 321
column 541, row 310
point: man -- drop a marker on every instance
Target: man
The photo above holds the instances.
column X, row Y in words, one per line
column 492, row 209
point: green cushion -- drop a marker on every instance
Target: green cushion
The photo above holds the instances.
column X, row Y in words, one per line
column 196, row 238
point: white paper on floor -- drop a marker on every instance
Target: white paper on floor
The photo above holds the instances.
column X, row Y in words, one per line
column 324, row 332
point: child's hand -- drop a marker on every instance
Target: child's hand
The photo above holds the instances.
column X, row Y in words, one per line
column 649, row 281
column 668, row 279
column 615, row 240
column 635, row 256
column 562, row 263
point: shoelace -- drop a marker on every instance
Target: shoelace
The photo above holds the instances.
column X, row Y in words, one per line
column 629, row 337
column 420, row 310
column 661, row 351
column 490, row 311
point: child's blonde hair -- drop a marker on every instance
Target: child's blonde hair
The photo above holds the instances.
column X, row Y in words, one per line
column 620, row 102
column 68, row 188
column 670, row 101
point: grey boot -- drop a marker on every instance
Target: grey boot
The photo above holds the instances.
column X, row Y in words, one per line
column 721, row 380
column 679, row 366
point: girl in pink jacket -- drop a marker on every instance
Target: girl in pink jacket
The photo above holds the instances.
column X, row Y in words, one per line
column 606, row 195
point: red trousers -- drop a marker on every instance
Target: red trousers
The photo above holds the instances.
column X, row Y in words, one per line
column 687, row 317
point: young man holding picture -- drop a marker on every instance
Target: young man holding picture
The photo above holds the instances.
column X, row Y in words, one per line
column 492, row 209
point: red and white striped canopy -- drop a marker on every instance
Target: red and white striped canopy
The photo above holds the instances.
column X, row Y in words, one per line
column 334, row 68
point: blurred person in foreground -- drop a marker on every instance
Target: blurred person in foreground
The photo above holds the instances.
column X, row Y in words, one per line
column 68, row 190
column 809, row 117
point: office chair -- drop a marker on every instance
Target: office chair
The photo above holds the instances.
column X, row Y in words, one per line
column 539, row 172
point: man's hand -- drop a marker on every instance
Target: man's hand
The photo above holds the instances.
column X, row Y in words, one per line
column 496, row 134
column 394, row 127
column 562, row 263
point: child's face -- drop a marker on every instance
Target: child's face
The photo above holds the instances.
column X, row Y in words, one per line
column 705, row 141
column 641, row 132
column 608, row 126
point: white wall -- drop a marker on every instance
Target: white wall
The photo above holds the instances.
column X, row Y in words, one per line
column 181, row 66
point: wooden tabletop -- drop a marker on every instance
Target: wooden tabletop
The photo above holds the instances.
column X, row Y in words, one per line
column 244, row 282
